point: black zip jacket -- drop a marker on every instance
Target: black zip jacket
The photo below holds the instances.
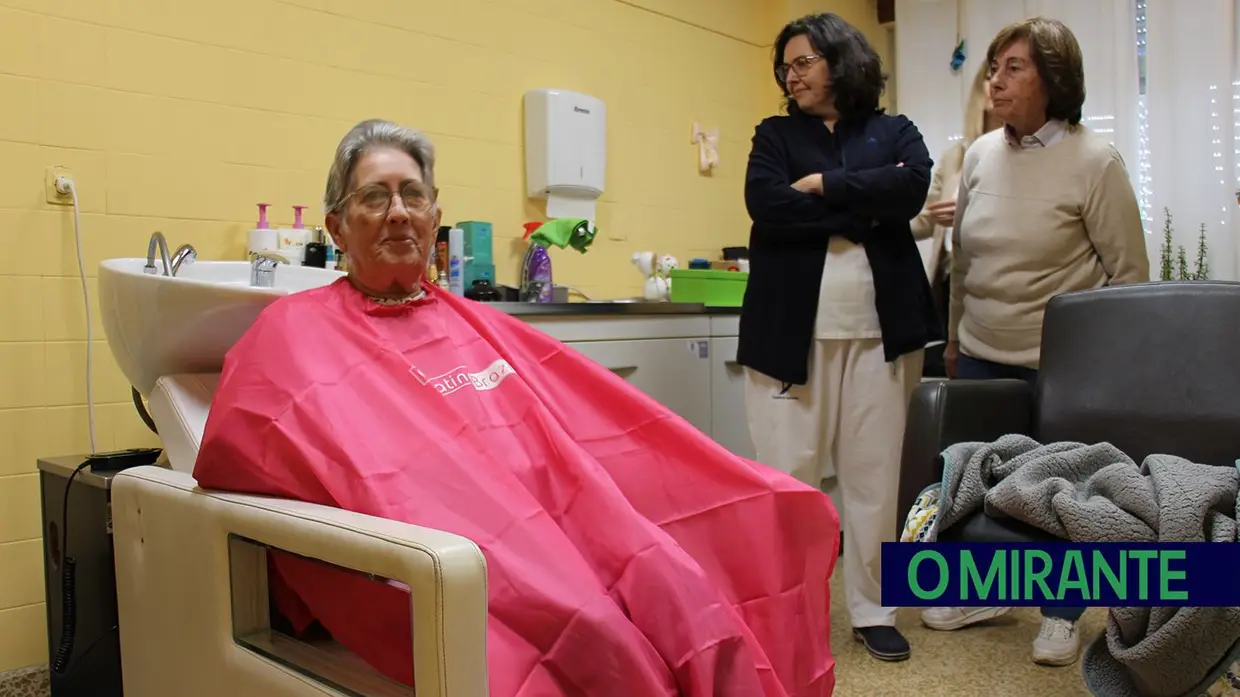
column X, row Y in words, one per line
column 876, row 173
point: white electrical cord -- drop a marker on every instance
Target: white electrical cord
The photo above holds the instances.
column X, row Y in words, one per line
column 65, row 185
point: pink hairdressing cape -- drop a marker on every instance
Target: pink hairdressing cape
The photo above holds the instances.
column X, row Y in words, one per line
column 628, row 554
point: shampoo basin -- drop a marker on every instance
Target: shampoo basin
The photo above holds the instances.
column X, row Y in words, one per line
column 163, row 325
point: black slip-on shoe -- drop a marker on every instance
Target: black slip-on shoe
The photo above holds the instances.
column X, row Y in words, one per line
column 883, row 643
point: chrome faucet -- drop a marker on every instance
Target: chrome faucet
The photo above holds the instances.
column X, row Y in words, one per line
column 185, row 254
column 263, row 268
column 157, row 241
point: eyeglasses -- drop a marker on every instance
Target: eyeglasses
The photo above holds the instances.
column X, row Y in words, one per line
column 376, row 199
column 1009, row 69
column 800, row 66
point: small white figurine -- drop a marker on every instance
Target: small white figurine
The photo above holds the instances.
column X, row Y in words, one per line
column 656, row 270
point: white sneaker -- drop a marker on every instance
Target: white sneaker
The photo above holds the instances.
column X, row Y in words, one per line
column 1057, row 644
column 949, row 618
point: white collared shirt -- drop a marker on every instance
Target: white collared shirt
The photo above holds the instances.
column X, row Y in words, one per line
column 1049, row 134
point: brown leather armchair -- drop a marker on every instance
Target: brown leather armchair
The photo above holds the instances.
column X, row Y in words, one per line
column 1150, row 368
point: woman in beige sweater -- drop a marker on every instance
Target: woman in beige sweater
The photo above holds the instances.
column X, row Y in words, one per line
column 1044, row 207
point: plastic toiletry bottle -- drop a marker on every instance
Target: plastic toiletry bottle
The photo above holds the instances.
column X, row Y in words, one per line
column 535, row 285
column 436, row 265
column 293, row 241
column 441, row 257
column 441, row 252
column 320, row 235
column 262, row 238
column 456, row 261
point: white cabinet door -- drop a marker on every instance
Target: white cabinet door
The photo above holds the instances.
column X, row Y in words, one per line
column 674, row 372
column 729, row 425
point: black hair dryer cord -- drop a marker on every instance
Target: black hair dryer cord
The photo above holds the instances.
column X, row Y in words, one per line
column 68, row 586
column 142, row 412
column 68, row 620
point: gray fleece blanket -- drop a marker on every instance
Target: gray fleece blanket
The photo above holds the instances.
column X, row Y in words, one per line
column 1095, row 493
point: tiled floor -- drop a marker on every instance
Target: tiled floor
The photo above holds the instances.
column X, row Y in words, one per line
column 26, row 682
column 983, row 661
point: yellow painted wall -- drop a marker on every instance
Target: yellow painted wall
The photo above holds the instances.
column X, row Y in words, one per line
column 180, row 116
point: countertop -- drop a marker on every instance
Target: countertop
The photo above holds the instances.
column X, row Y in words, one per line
column 600, row 308
column 64, row 465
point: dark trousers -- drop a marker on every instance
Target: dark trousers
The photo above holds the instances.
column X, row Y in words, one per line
column 970, row 368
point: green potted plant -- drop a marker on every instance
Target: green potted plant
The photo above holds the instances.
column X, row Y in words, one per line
column 1167, row 267
column 1202, row 272
column 1174, row 260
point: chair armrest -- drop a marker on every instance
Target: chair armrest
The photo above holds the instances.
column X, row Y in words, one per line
column 945, row 412
column 179, row 600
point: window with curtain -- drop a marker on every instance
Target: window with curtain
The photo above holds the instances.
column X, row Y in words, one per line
column 1143, row 123
column 1162, row 80
column 1191, row 63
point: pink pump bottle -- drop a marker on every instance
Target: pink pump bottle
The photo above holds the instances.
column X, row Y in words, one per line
column 293, row 240
column 262, row 238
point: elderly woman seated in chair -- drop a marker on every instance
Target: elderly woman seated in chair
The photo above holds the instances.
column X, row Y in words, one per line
column 627, row 553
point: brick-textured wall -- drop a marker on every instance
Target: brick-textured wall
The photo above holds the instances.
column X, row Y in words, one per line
column 179, row 116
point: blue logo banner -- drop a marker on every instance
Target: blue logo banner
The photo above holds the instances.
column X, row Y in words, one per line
column 1198, row 574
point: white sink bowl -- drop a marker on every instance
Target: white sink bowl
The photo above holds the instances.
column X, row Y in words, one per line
column 162, row 325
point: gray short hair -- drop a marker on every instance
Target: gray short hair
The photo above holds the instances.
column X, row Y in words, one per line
column 367, row 135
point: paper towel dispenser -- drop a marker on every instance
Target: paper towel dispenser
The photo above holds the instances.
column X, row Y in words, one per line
column 565, row 145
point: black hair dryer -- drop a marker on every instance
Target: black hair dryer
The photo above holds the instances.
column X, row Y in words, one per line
column 483, row 292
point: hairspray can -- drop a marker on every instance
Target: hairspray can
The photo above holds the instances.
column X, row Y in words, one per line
column 456, row 261
column 441, row 257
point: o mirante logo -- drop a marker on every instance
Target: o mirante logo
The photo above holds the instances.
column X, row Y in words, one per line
column 1197, row 574
column 1032, row 574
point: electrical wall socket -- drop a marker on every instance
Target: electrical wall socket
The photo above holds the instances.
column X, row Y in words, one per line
column 49, row 186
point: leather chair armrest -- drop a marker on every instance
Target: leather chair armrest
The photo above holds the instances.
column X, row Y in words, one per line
column 944, row 412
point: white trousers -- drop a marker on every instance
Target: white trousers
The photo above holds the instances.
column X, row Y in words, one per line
column 851, row 412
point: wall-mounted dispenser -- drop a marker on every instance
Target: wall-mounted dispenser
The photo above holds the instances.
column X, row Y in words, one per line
column 565, row 151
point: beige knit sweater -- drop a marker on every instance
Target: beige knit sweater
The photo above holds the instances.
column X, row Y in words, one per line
column 1033, row 223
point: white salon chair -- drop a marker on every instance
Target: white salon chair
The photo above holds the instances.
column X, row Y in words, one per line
column 191, row 579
